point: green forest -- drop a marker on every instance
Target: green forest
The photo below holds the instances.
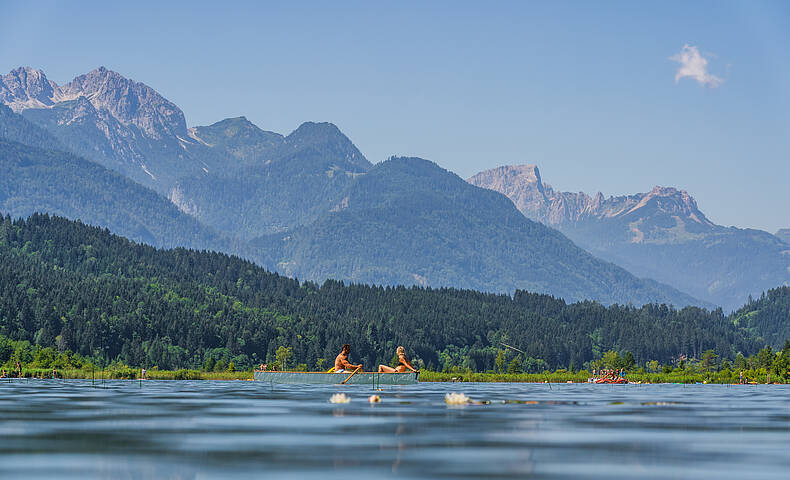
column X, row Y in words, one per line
column 75, row 291
column 767, row 317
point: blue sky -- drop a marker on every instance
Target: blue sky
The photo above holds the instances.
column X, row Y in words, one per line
column 585, row 90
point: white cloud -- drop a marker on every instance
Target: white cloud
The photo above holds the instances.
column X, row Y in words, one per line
column 694, row 65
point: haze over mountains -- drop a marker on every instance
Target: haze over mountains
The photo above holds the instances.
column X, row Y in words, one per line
column 409, row 221
column 310, row 204
column 268, row 183
column 660, row 234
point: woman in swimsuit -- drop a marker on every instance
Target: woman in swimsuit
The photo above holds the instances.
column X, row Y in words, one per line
column 403, row 363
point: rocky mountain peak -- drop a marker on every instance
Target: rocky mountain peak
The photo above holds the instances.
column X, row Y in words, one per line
column 523, row 175
column 538, row 201
column 130, row 102
column 522, row 183
column 671, row 192
column 26, row 87
column 524, row 186
column 672, row 201
column 101, row 115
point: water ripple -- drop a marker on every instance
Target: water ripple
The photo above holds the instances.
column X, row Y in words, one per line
column 190, row 429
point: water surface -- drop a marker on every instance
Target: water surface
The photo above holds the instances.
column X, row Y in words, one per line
column 204, row 429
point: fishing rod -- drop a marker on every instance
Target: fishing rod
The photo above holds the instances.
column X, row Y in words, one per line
column 522, row 351
column 514, row 348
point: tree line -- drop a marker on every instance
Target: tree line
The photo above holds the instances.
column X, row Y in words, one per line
column 76, row 288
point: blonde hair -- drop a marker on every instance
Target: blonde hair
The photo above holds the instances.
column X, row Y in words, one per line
column 400, row 351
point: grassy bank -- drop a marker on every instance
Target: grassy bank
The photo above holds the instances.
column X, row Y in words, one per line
column 721, row 377
column 134, row 374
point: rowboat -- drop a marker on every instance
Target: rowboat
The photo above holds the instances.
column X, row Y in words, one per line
column 609, row 381
column 318, row 378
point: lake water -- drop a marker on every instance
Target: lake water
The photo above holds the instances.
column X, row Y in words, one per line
column 203, row 429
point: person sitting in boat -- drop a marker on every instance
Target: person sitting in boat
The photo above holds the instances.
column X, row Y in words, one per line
column 342, row 365
column 403, row 363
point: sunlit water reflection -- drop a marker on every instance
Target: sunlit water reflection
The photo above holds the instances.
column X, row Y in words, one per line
column 202, row 429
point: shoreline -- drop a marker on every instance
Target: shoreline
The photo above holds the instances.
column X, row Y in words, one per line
column 678, row 377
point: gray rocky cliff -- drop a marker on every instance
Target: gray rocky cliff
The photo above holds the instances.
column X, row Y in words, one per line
column 120, row 123
column 538, row 200
column 132, row 103
column 26, row 87
column 660, row 234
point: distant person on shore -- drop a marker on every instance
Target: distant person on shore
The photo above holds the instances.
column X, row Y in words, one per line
column 741, row 377
column 403, row 363
column 18, row 370
column 54, row 374
column 342, row 364
column 142, row 373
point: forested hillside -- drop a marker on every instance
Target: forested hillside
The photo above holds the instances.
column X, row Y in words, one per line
column 14, row 128
column 408, row 221
column 82, row 289
column 767, row 317
column 36, row 180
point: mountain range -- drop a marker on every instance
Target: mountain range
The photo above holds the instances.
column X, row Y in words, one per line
column 408, row 221
column 268, row 183
column 660, row 234
column 119, row 123
column 307, row 204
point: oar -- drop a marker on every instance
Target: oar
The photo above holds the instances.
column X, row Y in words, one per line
column 352, row 374
column 514, row 348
